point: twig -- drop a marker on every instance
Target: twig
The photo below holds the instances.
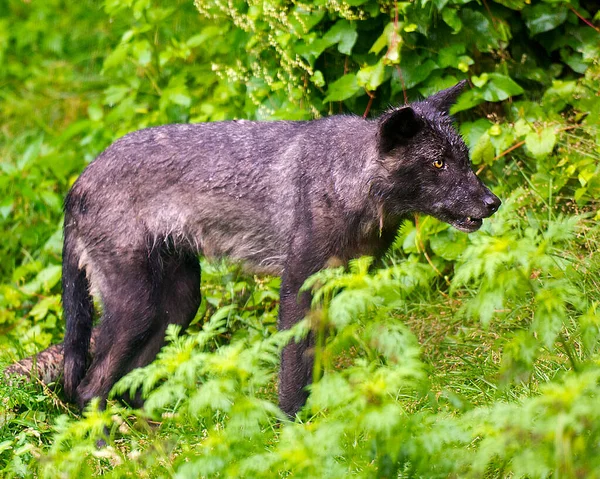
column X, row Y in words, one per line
column 494, row 20
column 345, row 72
column 584, row 20
column 403, row 85
column 393, row 44
column 371, row 97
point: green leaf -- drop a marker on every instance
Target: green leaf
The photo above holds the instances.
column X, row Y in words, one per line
column 439, row 4
column 344, row 34
column 414, row 76
column 383, row 39
column 41, row 309
column 203, row 36
column 472, row 131
column 390, row 39
column 114, row 94
column 142, row 51
column 176, row 93
column 541, row 144
column 95, row 112
column 44, row 281
column 543, row 17
column 574, row 60
column 449, row 244
column 343, row 88
column 117, row 57
column 483, row 151
column 6, row 207
column 317, row 78
column 513, row 4
column 478, row 29
column 312, row 46
column 450, row 16
column 448, row 56
column 480, row 81
column 500, row 87
column 521, row 127
column 437, row 82
column 371, row 76
column 415, row 69
column 31, row 153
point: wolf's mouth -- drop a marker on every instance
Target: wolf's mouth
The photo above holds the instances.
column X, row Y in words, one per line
column 468, row 224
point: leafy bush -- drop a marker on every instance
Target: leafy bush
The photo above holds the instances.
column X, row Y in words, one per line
column 456, row 356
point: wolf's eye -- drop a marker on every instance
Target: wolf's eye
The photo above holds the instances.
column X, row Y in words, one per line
column 438, row 163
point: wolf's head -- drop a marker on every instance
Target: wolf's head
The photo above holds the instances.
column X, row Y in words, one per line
column 427, row 166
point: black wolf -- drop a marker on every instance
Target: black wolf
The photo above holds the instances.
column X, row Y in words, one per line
column 284, row 197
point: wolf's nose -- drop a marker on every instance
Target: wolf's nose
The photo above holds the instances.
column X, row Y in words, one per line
column 492, row 202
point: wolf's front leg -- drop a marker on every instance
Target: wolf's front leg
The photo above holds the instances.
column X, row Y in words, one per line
column 297, row 357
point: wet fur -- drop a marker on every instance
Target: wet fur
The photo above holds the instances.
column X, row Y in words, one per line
column 283, row 197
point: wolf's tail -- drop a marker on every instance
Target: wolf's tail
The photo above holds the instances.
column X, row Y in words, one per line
column 78, row 310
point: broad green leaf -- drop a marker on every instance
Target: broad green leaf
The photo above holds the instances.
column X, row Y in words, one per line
column 414, row 68
column 472, row 131
column 540, row 144
column 513, row 4
column 32, row 152
column 115, row 93
column 176, row 93
column 412, row 76
column 303, row 20
column 574, row 60
column 585, row 176
column 95, row 112
column 383, row 39
column 450, row 16
column 371, row 76
column 543, row 17
column 480, row 81
column 6, row 207
column 44, row 281
column 206, row 33
column 344, row 34
column 436, row 82
column 343, row 88
column 317, row 78
column 479, row 29
column 483, row 151
column 464, row 62
column 40, row 310
column 467, row 100
column 142, row 50
column 499, row 87
column 117, row 57
column 449, row 244
column 312, row 46
column 439, row 4
column 521, row 127
column 448, row 56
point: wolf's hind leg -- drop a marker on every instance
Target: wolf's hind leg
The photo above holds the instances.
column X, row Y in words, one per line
column 179, row 303
column 129, row 313
column 145, row 295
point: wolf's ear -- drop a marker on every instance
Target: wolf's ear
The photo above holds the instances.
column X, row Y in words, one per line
column 397, row 126
column 444, row 99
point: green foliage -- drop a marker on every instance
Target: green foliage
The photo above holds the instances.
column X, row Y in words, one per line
column 457, row 356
